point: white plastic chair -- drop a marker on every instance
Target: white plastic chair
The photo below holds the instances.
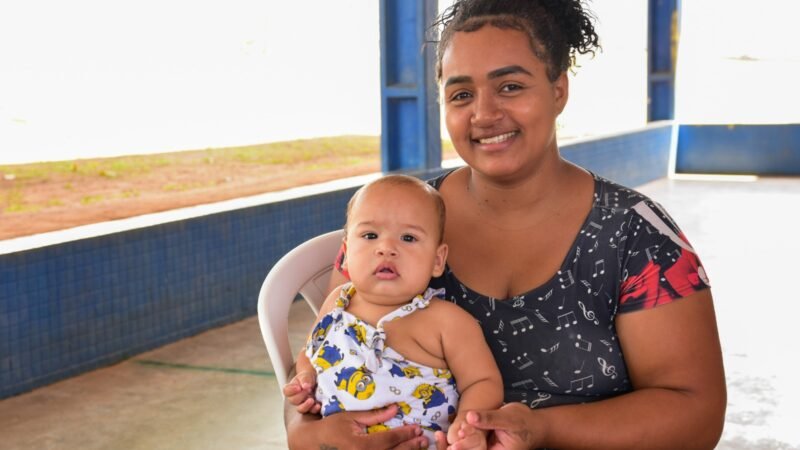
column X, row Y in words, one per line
column 306, row 270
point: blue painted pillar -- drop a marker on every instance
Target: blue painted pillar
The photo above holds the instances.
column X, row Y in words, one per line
column 410, row 134
column 663, row 33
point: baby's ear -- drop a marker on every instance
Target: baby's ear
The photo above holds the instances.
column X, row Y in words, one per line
column 343, row 252
column 441, row 259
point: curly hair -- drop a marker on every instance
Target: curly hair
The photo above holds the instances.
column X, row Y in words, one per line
column 557, row 29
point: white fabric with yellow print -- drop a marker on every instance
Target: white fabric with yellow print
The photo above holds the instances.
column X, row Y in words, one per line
column 357, row 372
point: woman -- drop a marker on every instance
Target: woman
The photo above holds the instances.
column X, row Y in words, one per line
column 592, row 301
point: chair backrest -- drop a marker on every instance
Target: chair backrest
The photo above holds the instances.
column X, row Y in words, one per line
column 305, row 270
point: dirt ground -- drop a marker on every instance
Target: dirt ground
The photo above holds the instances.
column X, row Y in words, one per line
column 185, row 183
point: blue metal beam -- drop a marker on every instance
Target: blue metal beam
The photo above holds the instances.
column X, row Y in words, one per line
column 662, row 40
column 410, row 134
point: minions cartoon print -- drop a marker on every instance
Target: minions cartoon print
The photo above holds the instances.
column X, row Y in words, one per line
column 357, row 332
column 357, row 382
column 405, row 371
column 357, row 372
column 327, row 357
column 430, row 395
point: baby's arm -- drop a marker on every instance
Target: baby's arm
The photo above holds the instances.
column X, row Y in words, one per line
column 477, row 377
column 300, row 390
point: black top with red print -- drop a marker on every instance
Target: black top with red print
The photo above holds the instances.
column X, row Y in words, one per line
column 557, row 344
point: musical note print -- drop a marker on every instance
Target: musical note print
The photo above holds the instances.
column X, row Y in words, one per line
column 543, row 397
column 548, row 380
column 588, row 314
column 593, row 231
column 581, row 383
column 527, row 384
column 489, row 308
column 564, row 320
column 587, row 285
column 521, row 324
column 608, row 369
column 552, row 348
column 503, row 344
column 522, row 362
column 651, row 252
column 674, row 255
column 609, row 251
column 547, row 295
column 568, row 281
column 599, row 268
column 583, row 344
column 499, row 328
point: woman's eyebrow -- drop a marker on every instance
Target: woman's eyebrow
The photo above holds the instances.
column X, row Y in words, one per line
column 497, row 73
column 508, row 70
column 457, row 80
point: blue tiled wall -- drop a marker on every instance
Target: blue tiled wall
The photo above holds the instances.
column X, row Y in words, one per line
column 630, row 159
column 79, row 305
column 739, row 149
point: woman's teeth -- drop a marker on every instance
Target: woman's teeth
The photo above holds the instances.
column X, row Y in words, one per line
column 497, row 139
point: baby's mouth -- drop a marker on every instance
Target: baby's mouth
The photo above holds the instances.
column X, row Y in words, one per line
column 386, row 272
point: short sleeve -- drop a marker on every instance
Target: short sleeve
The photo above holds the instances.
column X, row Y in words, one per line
column 659, row 265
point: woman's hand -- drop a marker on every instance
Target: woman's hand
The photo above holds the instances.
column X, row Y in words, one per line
column 349, row 430
column 509, row 427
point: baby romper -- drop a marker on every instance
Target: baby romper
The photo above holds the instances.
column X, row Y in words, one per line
column 356, row 372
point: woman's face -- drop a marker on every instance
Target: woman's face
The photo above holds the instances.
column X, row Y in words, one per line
column 500, row 107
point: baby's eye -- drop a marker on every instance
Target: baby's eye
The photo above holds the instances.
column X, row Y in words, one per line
column 408, row 238
column 370, row 235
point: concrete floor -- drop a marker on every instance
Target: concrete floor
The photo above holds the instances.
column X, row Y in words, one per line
column 216, row 390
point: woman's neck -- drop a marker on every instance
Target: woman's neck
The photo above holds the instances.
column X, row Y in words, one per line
column 537, row 192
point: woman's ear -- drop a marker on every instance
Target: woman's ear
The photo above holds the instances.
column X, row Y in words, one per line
column 561, row 91
column 440, row 261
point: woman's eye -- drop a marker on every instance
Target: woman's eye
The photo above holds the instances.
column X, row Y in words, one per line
column 370, row 235
column 460, row 96
column 408, row 238
column 511, row 87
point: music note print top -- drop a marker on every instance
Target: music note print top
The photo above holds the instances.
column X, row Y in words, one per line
column 629, row 255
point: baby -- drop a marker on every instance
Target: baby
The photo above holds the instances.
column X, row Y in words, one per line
column 385, row 337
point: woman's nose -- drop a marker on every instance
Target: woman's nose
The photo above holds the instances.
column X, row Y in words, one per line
column 487, row 111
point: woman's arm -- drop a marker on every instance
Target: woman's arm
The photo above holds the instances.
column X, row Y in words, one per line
column 347, row 430
column 674, row 361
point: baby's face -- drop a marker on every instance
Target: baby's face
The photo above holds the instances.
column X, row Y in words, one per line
column 393, row 245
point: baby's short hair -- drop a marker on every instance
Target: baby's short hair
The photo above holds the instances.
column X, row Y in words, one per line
column 407, row 181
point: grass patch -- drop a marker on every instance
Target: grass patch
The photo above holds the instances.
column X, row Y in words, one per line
column 78, row 183
column 90, row 199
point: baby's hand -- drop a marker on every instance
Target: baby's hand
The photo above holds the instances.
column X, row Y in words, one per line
column 300, row 392
column 463, row 436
